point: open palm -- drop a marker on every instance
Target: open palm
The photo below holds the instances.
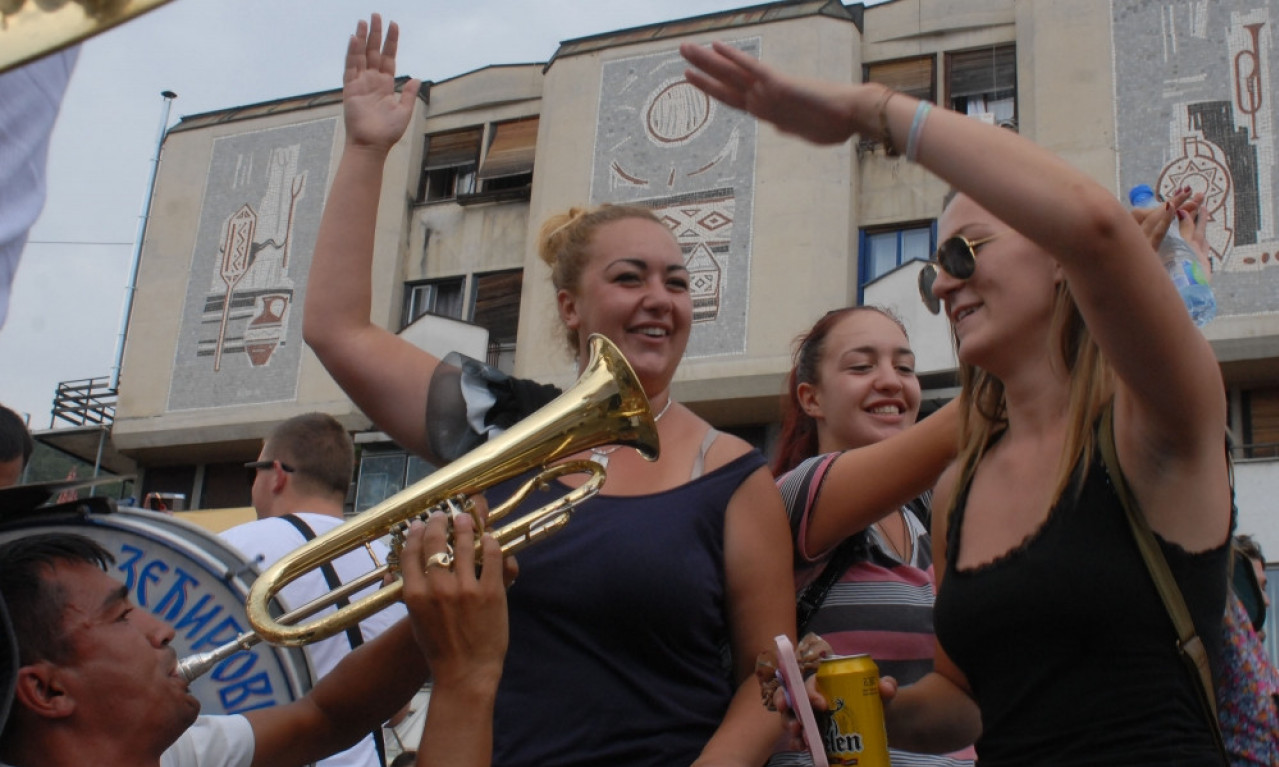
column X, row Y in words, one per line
column 376, row 115
column 811, row 109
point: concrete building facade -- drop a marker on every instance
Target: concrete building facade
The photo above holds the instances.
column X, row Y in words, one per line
column 775, row 231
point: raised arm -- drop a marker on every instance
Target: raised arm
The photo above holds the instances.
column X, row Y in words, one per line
column 866, row 483
column 386, row 376
column 1170, row 402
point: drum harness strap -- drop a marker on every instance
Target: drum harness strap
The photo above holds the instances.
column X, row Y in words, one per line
column 353, row 635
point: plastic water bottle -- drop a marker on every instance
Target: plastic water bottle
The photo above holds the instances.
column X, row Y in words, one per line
column 1181, row 261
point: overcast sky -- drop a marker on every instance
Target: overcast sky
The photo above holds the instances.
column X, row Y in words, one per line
column 64, row 319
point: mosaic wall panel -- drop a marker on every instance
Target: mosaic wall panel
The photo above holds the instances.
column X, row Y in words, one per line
column 660, row 142
column 241, row 336
column 1196, row 106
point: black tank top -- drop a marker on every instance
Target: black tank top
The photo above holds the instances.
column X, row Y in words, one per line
column 1068, row 649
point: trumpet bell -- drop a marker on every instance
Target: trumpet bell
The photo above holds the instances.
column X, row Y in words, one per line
column 605, row 406
column 31, row 28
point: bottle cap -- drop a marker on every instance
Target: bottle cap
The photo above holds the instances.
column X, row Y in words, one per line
column 1141, row 195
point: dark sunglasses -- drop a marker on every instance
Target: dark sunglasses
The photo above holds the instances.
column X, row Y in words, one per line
column 958, row 257
column 254, row 466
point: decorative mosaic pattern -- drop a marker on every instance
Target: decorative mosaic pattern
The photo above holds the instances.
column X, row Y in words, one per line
column 1196, row 92
column 262, row 203
column 662, row 143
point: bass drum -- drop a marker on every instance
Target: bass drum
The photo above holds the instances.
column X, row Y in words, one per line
column 191, row 579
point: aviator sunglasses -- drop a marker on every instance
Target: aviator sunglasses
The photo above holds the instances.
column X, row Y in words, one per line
column 958, row 257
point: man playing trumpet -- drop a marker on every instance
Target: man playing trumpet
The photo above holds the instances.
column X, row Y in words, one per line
column 96, row 679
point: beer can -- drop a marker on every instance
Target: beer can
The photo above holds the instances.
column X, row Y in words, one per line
column 853, row 731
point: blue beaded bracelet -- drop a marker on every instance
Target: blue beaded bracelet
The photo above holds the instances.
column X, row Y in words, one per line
column 916, row 127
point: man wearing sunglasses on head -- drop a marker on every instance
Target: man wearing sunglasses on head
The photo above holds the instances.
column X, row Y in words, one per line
column 299, row 486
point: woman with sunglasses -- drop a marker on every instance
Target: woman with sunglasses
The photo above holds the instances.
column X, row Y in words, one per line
column 854, row 470
column 1061, row 311
column 634, row 630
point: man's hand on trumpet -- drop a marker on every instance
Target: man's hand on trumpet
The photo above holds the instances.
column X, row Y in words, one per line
column 459, row 613
column 460, row 623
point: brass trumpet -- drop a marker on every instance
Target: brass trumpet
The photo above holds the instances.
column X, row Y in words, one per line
column 32, row 28
column 606, row 405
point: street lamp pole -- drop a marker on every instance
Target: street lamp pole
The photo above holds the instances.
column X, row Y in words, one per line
column 132, row 286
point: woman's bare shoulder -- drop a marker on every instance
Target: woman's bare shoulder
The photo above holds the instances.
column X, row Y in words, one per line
column 724, row 449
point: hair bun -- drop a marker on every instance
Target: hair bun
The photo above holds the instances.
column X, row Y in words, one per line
column 556, row 231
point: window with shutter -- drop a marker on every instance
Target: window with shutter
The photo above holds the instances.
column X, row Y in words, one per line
column 497, row 310
column 439, row 297
column 983, row 83
column 449, row 164
column 1260, row 410
column 913, row 76
column 508, row 163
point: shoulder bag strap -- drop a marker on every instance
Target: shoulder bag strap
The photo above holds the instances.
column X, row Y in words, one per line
column 814, row 594
column 843, row 558
column 353, row 635
column 1188, row 642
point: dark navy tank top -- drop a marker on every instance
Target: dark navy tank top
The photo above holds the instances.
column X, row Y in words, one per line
column 619, row 635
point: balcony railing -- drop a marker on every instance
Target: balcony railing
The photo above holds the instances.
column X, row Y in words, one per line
column 88, row 401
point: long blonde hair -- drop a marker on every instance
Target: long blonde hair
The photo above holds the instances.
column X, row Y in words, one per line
column 564, row 238
column 984, row 409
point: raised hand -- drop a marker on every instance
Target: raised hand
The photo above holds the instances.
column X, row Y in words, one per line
column 376, row 116
column 1194, row 230
column 1154, row 221
column 819, row 111
column 1189, row 209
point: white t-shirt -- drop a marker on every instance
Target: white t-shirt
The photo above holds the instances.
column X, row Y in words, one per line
column 213, row 741
column 263, row 542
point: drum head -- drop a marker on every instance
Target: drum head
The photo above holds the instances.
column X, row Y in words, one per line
column 189, row 578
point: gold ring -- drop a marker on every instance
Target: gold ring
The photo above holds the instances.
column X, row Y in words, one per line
column 439, row 559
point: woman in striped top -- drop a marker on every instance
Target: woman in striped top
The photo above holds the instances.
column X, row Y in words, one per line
column 862, row 550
